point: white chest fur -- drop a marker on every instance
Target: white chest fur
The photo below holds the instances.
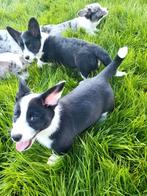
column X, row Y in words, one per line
column 86, row 24
column 43, row 136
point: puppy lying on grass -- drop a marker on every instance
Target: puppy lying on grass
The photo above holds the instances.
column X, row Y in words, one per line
column 11, row 63
column 71, row 52
column 88, row 19
column 54, row 121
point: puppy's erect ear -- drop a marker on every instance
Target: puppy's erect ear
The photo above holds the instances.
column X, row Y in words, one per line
column 34, row 28
column 16, row 35
column 23, row 90
column 84, row 12
column 52, row 95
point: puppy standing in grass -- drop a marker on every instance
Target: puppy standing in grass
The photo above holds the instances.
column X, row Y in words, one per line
column 55, row 121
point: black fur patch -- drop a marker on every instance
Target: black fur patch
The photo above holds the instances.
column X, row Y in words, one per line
column 17, row 112
column 39, row 116
column 74, row 53
column 32, row 43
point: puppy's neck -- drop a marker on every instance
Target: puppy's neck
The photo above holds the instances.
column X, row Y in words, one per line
column 44, row 36
column 44, row 135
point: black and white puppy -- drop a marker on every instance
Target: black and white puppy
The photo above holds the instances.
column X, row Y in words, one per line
column 88, row 19
column 71, row 52
column 11, row 63
column 7, row 43
column 31, row 41
column 54, row 121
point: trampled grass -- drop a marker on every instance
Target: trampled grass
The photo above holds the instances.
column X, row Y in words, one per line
column 110, row 158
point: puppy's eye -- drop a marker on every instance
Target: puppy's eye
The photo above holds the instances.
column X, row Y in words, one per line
column 34, row 118
column 17, row 109
column 28, row 44
column 16, row 115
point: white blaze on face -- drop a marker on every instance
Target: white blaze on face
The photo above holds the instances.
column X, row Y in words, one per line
column 28, row 55
column 21, row 125
column 44, row 36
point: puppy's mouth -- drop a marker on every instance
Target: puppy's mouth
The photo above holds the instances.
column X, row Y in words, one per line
column 25, row 145
column 21, row 146
column 29, row 60
column 101, row 17
column 103, row 13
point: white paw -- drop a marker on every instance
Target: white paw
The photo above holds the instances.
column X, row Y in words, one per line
column 92, row 33
column 39, row 63
column 52, row 160
column 120, row 73
column 103, row 117
column 96, row 30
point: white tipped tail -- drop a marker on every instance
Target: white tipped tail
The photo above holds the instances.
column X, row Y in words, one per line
column 123, row 52
column 111, row 69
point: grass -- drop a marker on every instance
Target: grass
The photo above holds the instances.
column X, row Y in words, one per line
column 111, row 157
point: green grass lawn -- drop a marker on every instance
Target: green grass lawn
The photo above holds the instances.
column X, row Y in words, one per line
column 110, row 158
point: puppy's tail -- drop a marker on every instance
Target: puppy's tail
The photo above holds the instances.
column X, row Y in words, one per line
column 111, row 69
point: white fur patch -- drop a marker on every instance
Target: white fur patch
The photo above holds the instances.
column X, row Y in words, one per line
column 123, row 52
column 43, row 136
column 8, row 44
column 103, row 117
column 86, row 24
column 53, row 159
column 40, row 53
column 27, row 53
column 21, row 126
column 11, row 57
column 120, row 73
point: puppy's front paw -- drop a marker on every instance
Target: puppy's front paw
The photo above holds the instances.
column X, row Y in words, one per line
column 96, row 30
column 39, row 64
column 92, row 33
column 53, row 159
column 120, row 73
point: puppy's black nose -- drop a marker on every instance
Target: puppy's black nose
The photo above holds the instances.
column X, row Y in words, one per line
column 17, row 137
column 27, row 57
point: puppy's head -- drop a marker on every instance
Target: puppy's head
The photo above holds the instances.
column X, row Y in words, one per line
column 29, row 41
column 94, row 12
column 33, row 113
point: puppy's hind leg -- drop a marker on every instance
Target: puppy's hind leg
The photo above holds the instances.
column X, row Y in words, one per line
column 103, row 117
column 86, row 62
